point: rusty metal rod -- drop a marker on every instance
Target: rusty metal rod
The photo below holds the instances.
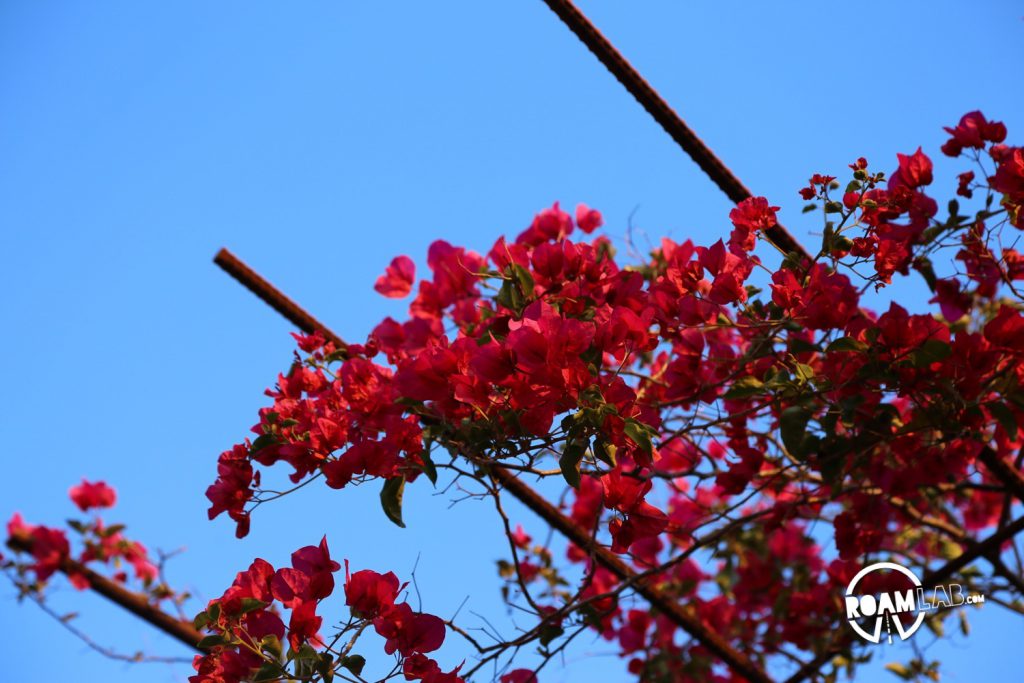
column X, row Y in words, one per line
column 666, row 117
column 274, row 297
column 133, row 602
column 523, row 492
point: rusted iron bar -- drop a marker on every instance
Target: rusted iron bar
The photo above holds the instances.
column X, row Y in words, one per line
column 274, row 297
column 666, row 117
column 524, row 493
column 135, row 603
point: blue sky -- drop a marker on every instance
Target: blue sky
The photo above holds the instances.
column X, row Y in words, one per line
column 320, row 139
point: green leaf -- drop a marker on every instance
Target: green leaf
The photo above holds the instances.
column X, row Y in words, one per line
column 200, row 621
column 798, row 345
column 949, row 549
column 429, row 468
column 846, row 344
column 523, row 279
column 804, row 372
column 517, row 289
column 251, row 605
column 936, row 626
column 900, row 670
column 354, row 663
column 931, row 351
column 549, row 632
column 640, row 434
column 827, row 238
column 267, row 672
column 210, row 642
column 271, row 644
column 927, row 270
column 262, row 441
column 1007, row 419
column 569, row 463
column 745, row 387
column 965, row 627
column 831, row 466
column 111, row 530
column 605, row 452
column 793, row 428
column 325, row 667
column 391, row 499
column 509, row 297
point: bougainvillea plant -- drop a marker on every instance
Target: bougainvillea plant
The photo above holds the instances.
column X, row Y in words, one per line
column 737, row 424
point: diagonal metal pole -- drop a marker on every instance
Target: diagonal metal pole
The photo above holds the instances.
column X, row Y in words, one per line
column 667, row 117
column 715, row 643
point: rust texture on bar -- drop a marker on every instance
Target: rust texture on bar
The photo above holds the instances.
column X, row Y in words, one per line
column 666, row 117
column 133, row 602
column 526, row 495
column 272, row 297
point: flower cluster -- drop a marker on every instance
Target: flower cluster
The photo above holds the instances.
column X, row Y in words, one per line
column 248, row 634
column 101, row 544
column 698, row 403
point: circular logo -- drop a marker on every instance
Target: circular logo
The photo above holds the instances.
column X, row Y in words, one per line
column 887, row 609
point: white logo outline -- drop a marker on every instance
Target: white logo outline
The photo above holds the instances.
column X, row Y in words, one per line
column 893, row 617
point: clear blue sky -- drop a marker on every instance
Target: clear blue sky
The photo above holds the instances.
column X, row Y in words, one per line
column 318, row 140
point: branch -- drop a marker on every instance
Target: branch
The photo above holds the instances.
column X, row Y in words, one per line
column 984, row 548
column 987, row 548
column 526, row 495
column 1002, row 471
column 133, row 602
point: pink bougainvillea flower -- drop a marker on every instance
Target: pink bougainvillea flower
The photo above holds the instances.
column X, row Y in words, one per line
column 397, row 279
column 88, row 495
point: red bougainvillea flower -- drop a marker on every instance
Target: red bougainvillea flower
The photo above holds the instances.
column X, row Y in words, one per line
column 368, row 593
column 588, row 220
column 304, row 624
column 973, row 131
column 315, row 562
column 681, row 389
column 915, row 170
column 397, row 279
column 409, row 632
column 750, row 216
column 88, row 495
column 49, row 547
